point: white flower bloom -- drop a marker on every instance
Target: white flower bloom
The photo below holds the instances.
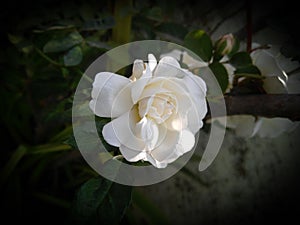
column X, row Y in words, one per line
column 185, row 58
column 272, row 127
column 175, row 53
column 276, row 78
column 191, row 62
column 293, row 83
column 156, row 112
column 276, row 82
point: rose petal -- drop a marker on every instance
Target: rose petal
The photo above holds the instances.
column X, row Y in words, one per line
column 148, row 131
column 174, row 86
column 293, row 84
column 154, row 87
column 156, row 163
column 110, row 95
column 176, row 122
column 273, row 127
column 193, row 108
column 186, row 142
column 132, row 155
column 144, row 106
column 194, row 118
column 174, row 145
column 194, row 84
column 190, row 107
column 197, row 91
column 191, row 62
column 168, row 67
column 121, row 131
column 274, row 85
column 109, row 135
column 137, row 70
column 138, row 86
column 166, row 147
column 267, row 64
column 152, row 62
column 176, row 54
column 243, row 124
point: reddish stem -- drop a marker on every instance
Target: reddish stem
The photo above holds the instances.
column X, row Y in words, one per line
column 249, row 25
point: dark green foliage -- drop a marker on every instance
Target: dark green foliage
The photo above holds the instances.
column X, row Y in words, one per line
column 45, row 48
column 241, row 59
column 100, row 201
column 200, row 43
column 73, row 57
column 62, row 43
column 221, row 74
column 250, row 69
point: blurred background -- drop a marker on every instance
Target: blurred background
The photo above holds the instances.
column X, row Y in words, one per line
column 46, row 46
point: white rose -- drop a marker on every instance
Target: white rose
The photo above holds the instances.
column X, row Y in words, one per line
column 275, row 78
column 156, row 112
column 186, row 59
column 275, row 82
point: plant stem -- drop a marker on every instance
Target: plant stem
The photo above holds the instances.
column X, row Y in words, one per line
column 265, row 105
column 12, row 163
column 48, row 58
column 249, row 24
column 122, row 30
column 256, row 76
column 48, row 148
column 260, row 47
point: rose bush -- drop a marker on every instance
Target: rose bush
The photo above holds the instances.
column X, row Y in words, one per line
column 272, row 67
column 275, row 82
column 155, row 113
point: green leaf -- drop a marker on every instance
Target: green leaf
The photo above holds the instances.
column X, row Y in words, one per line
column 11, row 164
column 89, row 197
column 63, row 43
column 241, row 59
column 100, row 201
column 221, row 74
column 248, row 69
column 71, row 141
column 200, row 43
column 14, row 39
column 54, row 28
column 73, row 57
column 48, row 148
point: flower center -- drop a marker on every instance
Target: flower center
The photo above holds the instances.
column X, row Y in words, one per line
column 158, row 107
